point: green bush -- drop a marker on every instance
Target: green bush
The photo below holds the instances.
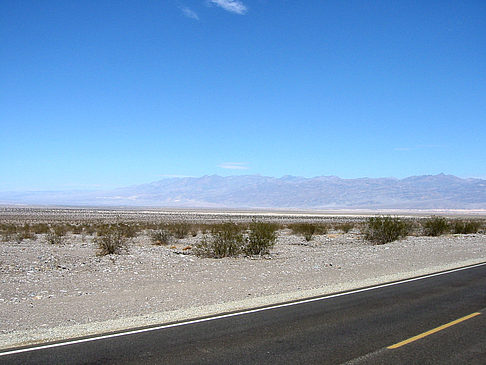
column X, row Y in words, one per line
column 466, row 227
column 128, row 230
column 308, row 230
column 111, row 241
column 225, row 240
column 19, row 233
column 60, row 229
column 261, row 238
column 381, row 230
column 9, row 231
column 179, row 230
column 435, row 226
column 89, row 229
column 161, row 237
column 40, row 228
column 345, row 227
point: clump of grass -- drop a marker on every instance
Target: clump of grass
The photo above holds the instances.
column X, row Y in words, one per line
column 381, row 230
column 308, row 230
column 111, row 241
column 161, row 237
column 225, row 240
column 261, row 238
column 435, row 226
column 344, row 227
column 465, row 226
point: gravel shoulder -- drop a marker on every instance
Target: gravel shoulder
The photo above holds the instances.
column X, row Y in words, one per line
column 53, row 292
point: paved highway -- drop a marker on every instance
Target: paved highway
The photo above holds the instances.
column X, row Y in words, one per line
column 439, row 319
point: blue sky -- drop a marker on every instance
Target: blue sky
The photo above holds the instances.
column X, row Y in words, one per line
column 100, row 94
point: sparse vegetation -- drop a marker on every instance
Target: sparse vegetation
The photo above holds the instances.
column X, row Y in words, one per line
column 161, row 237
column 59, row 230
column 345, row 227
column 17, row 233
column 128, row 230
column 465, row 226
column 24, row 235
column 111, row 241
column 54, row 237
column 225, row 240
column 40, row 228
column 8, row 231
column 261, row 238
column 112, row 235
column 179, row 230
column 308, row 230
column 381, row 230
column 435, row 226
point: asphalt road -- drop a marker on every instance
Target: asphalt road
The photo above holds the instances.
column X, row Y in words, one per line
column 356, row 328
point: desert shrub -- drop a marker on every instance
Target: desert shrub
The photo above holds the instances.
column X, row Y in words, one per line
column 261, row 238
column 111, row 241
column 9, row 231
column 89, row 229
column 40, row 228
column 54, row 238
column 465, row 227
column 179, row 230
column 59, row 230
column 69, row 227
column 381, row 230
column 236, row 227
column 225, row 240
column 161, row 237
column 20, row 233
column 435, row 226
column 25, row 235
column 127, row 230
column 345, row 227
column 77, row 228
column 205, row 228
column 415, row 227
column 308, row 230
column 102, row 229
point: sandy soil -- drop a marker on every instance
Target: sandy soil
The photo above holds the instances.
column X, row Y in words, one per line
column 50, row 292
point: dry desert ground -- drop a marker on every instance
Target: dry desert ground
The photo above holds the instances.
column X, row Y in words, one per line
column 54, row 291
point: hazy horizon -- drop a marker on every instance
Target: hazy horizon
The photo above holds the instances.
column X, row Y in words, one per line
column 288, row 192
column 162, row 178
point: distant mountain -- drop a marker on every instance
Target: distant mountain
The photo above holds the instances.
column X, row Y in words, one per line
column 255, row 191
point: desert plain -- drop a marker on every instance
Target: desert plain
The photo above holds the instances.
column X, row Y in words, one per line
column 50, row 292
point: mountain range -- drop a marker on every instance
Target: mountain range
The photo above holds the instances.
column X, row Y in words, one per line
column 288, row 192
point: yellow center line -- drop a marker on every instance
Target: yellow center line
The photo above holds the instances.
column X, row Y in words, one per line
column 437, row 329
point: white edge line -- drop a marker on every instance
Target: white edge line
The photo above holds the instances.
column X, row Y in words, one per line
column 133, row 332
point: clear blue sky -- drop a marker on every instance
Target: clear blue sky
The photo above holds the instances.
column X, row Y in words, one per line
column 98, row 93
